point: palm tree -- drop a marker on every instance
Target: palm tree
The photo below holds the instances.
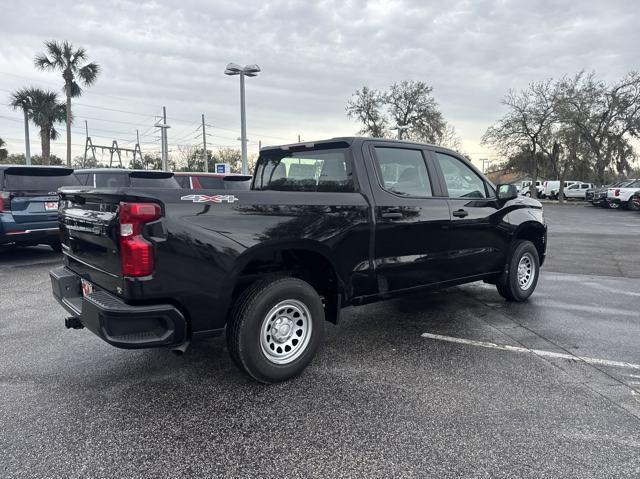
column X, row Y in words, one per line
column 71, row 61
column 20, row 101
column 45, row 111
column 3, row 150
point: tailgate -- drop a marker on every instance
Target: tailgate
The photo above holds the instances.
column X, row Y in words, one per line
column 89, row 228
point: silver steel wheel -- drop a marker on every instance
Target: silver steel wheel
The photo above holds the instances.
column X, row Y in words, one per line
column 526, row 271
column 285, row 331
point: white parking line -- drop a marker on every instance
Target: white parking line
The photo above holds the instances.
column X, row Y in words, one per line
column 539, row 352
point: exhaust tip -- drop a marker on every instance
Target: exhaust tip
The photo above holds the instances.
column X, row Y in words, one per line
column 180, row 350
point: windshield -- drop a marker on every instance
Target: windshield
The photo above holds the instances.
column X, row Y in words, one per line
column 28, row 182
column 309, row 170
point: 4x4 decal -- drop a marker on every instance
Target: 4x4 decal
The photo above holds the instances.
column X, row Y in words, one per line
column 210, row 198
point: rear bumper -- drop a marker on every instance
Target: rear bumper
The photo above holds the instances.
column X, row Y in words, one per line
column 30, row 236
column 119, row 324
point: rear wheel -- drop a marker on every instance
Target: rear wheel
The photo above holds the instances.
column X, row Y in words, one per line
column 57, row 247
column 522, row 273
column 275, row 328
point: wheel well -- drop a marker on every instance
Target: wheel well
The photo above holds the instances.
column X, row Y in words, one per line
column 535, row 234
column 307, row 265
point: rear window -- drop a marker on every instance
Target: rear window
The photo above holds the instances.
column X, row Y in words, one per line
column 135, row 180
column 29, row 182
column 226, row 183
column 210, row 182
column 312, row 170
column 145, row 182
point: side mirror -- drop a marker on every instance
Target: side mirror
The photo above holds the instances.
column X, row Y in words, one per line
column 507, row 192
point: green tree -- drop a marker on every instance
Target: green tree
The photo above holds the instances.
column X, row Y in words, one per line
column 22, row 102
column 3, row 150
column 72, row 62
column 44, row 110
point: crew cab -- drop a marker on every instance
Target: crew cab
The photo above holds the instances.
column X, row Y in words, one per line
column 577, row 191
column 620, row 196
column 29, row 204
column 326, row 225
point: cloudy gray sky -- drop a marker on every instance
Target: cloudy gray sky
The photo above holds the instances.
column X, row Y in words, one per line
column 313, row 56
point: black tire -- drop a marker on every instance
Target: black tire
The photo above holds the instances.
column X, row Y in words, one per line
column 632, row 206
column 509, row 287
column 254, row 310
column 57, row 247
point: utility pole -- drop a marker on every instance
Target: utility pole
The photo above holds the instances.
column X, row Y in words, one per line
column 204, row 147
column 298, row 137
column 164, row 144
column 27, row 145
column 165, row 160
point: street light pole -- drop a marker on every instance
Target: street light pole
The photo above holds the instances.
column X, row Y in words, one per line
column 400, row 129
column 246, row 71
column 243, row 125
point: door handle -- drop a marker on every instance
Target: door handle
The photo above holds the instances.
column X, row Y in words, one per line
column 391, row 213
column 460, row 213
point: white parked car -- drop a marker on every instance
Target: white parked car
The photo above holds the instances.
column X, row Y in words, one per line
column 524, row 188
column 619, row 196
column 577, row 191
column 551, row 188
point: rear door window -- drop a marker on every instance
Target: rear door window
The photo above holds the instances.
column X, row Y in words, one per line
column 403, row 171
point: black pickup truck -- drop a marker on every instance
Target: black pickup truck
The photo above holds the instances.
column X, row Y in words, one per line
column 328, row 224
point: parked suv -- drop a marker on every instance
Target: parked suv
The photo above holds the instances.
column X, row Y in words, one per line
column 29, row 204
column 123, row 178
column 213, row 181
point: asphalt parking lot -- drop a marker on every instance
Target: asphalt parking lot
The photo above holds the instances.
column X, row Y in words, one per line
column 456, row 383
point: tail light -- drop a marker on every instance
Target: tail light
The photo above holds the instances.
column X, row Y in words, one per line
column 616, row 192
column 136, row 253
column 5, row 201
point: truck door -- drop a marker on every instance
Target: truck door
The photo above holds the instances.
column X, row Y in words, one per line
column 409, row 246
column 476, row 241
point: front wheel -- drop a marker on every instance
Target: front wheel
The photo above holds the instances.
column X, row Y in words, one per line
column 522, row 273
column 632, row 205
column 275, row 328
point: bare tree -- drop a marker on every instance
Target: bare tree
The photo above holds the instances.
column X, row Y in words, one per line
column 530, row 113
column 411, row 104
column 366, row 106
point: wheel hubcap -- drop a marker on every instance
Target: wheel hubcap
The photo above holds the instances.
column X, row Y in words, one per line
column 285, row 331
column 526, row 271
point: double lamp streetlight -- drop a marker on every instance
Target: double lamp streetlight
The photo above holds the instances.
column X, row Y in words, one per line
column 249, row 71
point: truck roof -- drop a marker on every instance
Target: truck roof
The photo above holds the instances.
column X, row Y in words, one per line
column 347, row 141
